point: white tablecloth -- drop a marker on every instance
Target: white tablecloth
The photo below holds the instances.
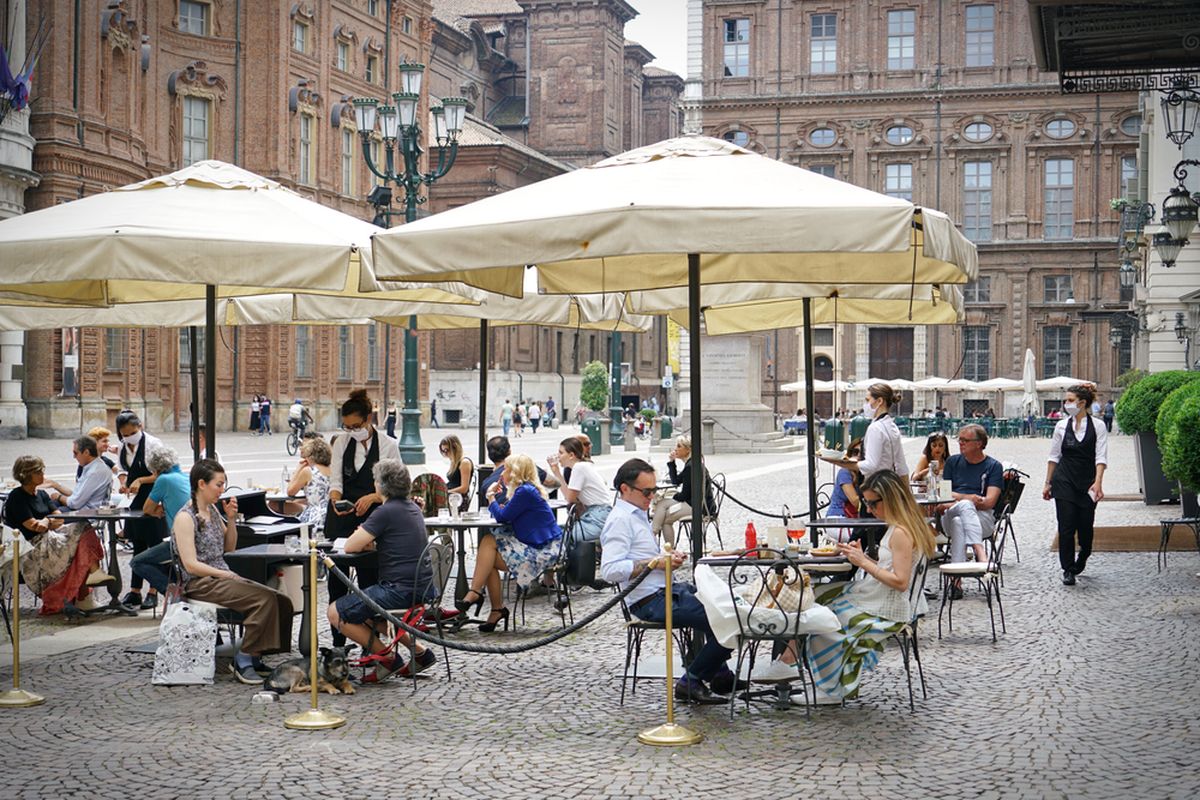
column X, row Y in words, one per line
column 713, row 591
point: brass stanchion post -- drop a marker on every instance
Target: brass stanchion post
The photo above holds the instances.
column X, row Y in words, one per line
column 314, row 719
column 670, row 734
column 17, row 697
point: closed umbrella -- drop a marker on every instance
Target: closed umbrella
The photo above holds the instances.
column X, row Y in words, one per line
column 687, row 212
column 1029, row 397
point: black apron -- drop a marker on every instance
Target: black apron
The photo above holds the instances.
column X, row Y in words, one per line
column 1076, row 470
column 356, row 483
column 151, row 530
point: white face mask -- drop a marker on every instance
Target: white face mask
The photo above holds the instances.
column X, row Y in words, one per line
column 133, row 439
column 360, row 434
column 1070, row 408
column 867, row 410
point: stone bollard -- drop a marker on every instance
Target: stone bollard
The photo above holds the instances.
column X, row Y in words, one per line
column 708, row 434
column 655, row 431
column 630, row 438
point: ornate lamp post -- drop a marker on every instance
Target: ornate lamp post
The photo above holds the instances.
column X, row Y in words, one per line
column 401, row 132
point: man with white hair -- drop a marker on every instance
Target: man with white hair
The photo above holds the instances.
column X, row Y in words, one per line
column 976, row 480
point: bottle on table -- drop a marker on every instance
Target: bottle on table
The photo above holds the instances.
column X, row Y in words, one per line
column 751, row 537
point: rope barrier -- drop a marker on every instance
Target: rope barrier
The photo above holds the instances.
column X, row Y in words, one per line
column 468, row 647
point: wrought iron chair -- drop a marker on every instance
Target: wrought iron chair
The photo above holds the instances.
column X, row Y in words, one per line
column 986, row 575
column 635, row 632
column 756, row 580
column 712, row 516
column 557, row 572
column 440, row 553
column 907, row 636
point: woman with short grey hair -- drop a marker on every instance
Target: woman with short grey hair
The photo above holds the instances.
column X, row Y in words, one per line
column 392, row 479
column 161, row 459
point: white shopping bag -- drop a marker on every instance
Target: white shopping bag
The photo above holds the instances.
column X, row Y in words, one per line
column 187, row 644
column 722, row 613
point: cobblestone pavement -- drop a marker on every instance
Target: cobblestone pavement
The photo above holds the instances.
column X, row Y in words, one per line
column 1090, row 693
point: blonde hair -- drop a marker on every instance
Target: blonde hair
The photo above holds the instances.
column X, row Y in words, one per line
column 25, row 467
column 685, row 442
column 316, row 450
column 519, row 469
column 99, row 432
column 902, row 509
column 454, row 450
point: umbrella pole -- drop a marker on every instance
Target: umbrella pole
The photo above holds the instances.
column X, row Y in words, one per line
column 483, row 378
column 808, row 412
column 210, row 369
column 698, row 486
column 194, row 372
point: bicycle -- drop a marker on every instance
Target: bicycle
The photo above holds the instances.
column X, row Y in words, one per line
column 294, row 439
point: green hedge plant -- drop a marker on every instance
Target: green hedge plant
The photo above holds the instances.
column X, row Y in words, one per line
column 1137, row 410
column 593, row 391
column 1179, row 436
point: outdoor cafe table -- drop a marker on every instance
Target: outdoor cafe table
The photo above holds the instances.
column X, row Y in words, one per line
column 871, row 527
column 460, row 525
column 114, row 568
column 255, row 563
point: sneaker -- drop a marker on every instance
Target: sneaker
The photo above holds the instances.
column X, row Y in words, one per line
column 150, row 602
column 384, row 670
column 99, row 578
column 775, row 672
column 261, row 668
column 246, row 674
column 132, row 599
column 818, row 696
column 422, row 662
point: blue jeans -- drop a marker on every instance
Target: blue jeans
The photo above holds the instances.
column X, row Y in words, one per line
column 688, row 612
column 507, row 426
column 148, row 565
column 264, row 423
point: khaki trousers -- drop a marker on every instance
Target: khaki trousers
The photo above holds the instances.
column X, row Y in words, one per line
column 268, row 613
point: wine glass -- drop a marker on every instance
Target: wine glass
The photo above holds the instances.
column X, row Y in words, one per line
column 455, row 503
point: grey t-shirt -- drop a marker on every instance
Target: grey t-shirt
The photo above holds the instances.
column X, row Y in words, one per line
column 400, row 538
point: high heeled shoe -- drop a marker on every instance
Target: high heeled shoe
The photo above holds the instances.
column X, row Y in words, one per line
column 464, row 604
column 499, row 614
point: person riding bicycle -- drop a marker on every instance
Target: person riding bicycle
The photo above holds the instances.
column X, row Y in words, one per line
column 298, row 417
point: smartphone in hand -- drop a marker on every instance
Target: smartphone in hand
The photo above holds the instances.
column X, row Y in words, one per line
column 344, row 506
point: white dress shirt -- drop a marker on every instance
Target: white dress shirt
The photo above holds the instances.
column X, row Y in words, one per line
column 94, row 487
column 1060, row 430
column 387, row 449
column 882, row 448
column 625, row 540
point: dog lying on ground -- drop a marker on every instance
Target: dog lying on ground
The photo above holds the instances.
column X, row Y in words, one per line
column 333, row 674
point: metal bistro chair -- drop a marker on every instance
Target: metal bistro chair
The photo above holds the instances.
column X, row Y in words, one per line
column 635, row 632
column 440, row 552
column 754, row 584
column 1166, row 526
column 907, row 636
column 557, row 571
column 712, row 517
column 986, row 575
column 1010, row 496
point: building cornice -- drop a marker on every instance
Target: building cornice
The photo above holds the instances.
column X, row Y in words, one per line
column 864, row 98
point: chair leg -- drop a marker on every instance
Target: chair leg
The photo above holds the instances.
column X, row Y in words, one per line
column 907, row 668
column 628, row 654
column 942, row 607
column 737, row 672
column 987, row 593
column 1000, row 605
column 1012, row 537
column 916, row 647
column 1164, row 540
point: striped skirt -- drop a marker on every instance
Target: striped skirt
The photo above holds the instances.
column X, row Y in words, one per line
column 838, row 659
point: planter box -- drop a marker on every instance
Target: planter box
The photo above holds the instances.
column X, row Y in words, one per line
column 1156, row 489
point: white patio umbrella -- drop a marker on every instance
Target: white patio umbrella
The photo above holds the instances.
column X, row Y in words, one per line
column 1058, row 383
column 999, row 385
column 1029, row 398
column 687, row 212
column 206, row 231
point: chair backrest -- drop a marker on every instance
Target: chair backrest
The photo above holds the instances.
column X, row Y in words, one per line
column 918, row 584
column 1010, row 494
column 996, row 558
column 717, row 484
column 431, row 488
column 439, row 551
column 754, row 585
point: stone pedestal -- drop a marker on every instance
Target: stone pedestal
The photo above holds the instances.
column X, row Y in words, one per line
column 731, row 375
column 13, row 416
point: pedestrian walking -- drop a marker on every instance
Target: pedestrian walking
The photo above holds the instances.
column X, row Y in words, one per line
column 519, row 418
column 506, row 416
column 264, row 416
column 433, row 413
column 391, row 419
column 1075, row 477
column 1109, row 411
column 535, row 415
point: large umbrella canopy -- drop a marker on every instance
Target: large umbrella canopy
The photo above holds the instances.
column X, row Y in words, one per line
column 1058, row 383
column 1029, row 398
column 629, row 222
column 687, row 212
column 999, row 385
column 168, row 236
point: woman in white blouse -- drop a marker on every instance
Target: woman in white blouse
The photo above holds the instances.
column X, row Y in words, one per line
column 1075, row 477
column 881, row 448
column 585, row 488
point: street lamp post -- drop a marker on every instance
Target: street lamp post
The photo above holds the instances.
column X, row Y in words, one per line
column 401, row 132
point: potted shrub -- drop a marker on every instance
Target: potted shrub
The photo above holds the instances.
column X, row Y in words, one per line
column 1178, row 430
column 1137, row 414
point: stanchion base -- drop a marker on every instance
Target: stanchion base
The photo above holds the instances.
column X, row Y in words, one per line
column 670, row 735
column 19, row 698
column 313, row 720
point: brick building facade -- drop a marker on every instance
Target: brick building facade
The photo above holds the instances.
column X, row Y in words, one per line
column 941, row 103
column 145, row 87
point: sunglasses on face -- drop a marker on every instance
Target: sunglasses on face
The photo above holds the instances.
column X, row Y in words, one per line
column 872, row 503
column 646, row 493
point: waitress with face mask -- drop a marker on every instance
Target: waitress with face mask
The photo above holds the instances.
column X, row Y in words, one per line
column 136, row 481
column 356, row 451
column 881, row 448
column 1075, row 477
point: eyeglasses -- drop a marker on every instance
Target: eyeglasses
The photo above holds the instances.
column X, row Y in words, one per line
column 646, row 493
column 872, row 503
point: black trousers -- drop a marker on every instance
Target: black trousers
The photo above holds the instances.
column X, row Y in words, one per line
column 364, row 576
column 1075, row 521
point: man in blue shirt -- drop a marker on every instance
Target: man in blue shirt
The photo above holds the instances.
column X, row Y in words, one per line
column 629, row 549
column 170, row 493
column 976, row 480
column 93, row 485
